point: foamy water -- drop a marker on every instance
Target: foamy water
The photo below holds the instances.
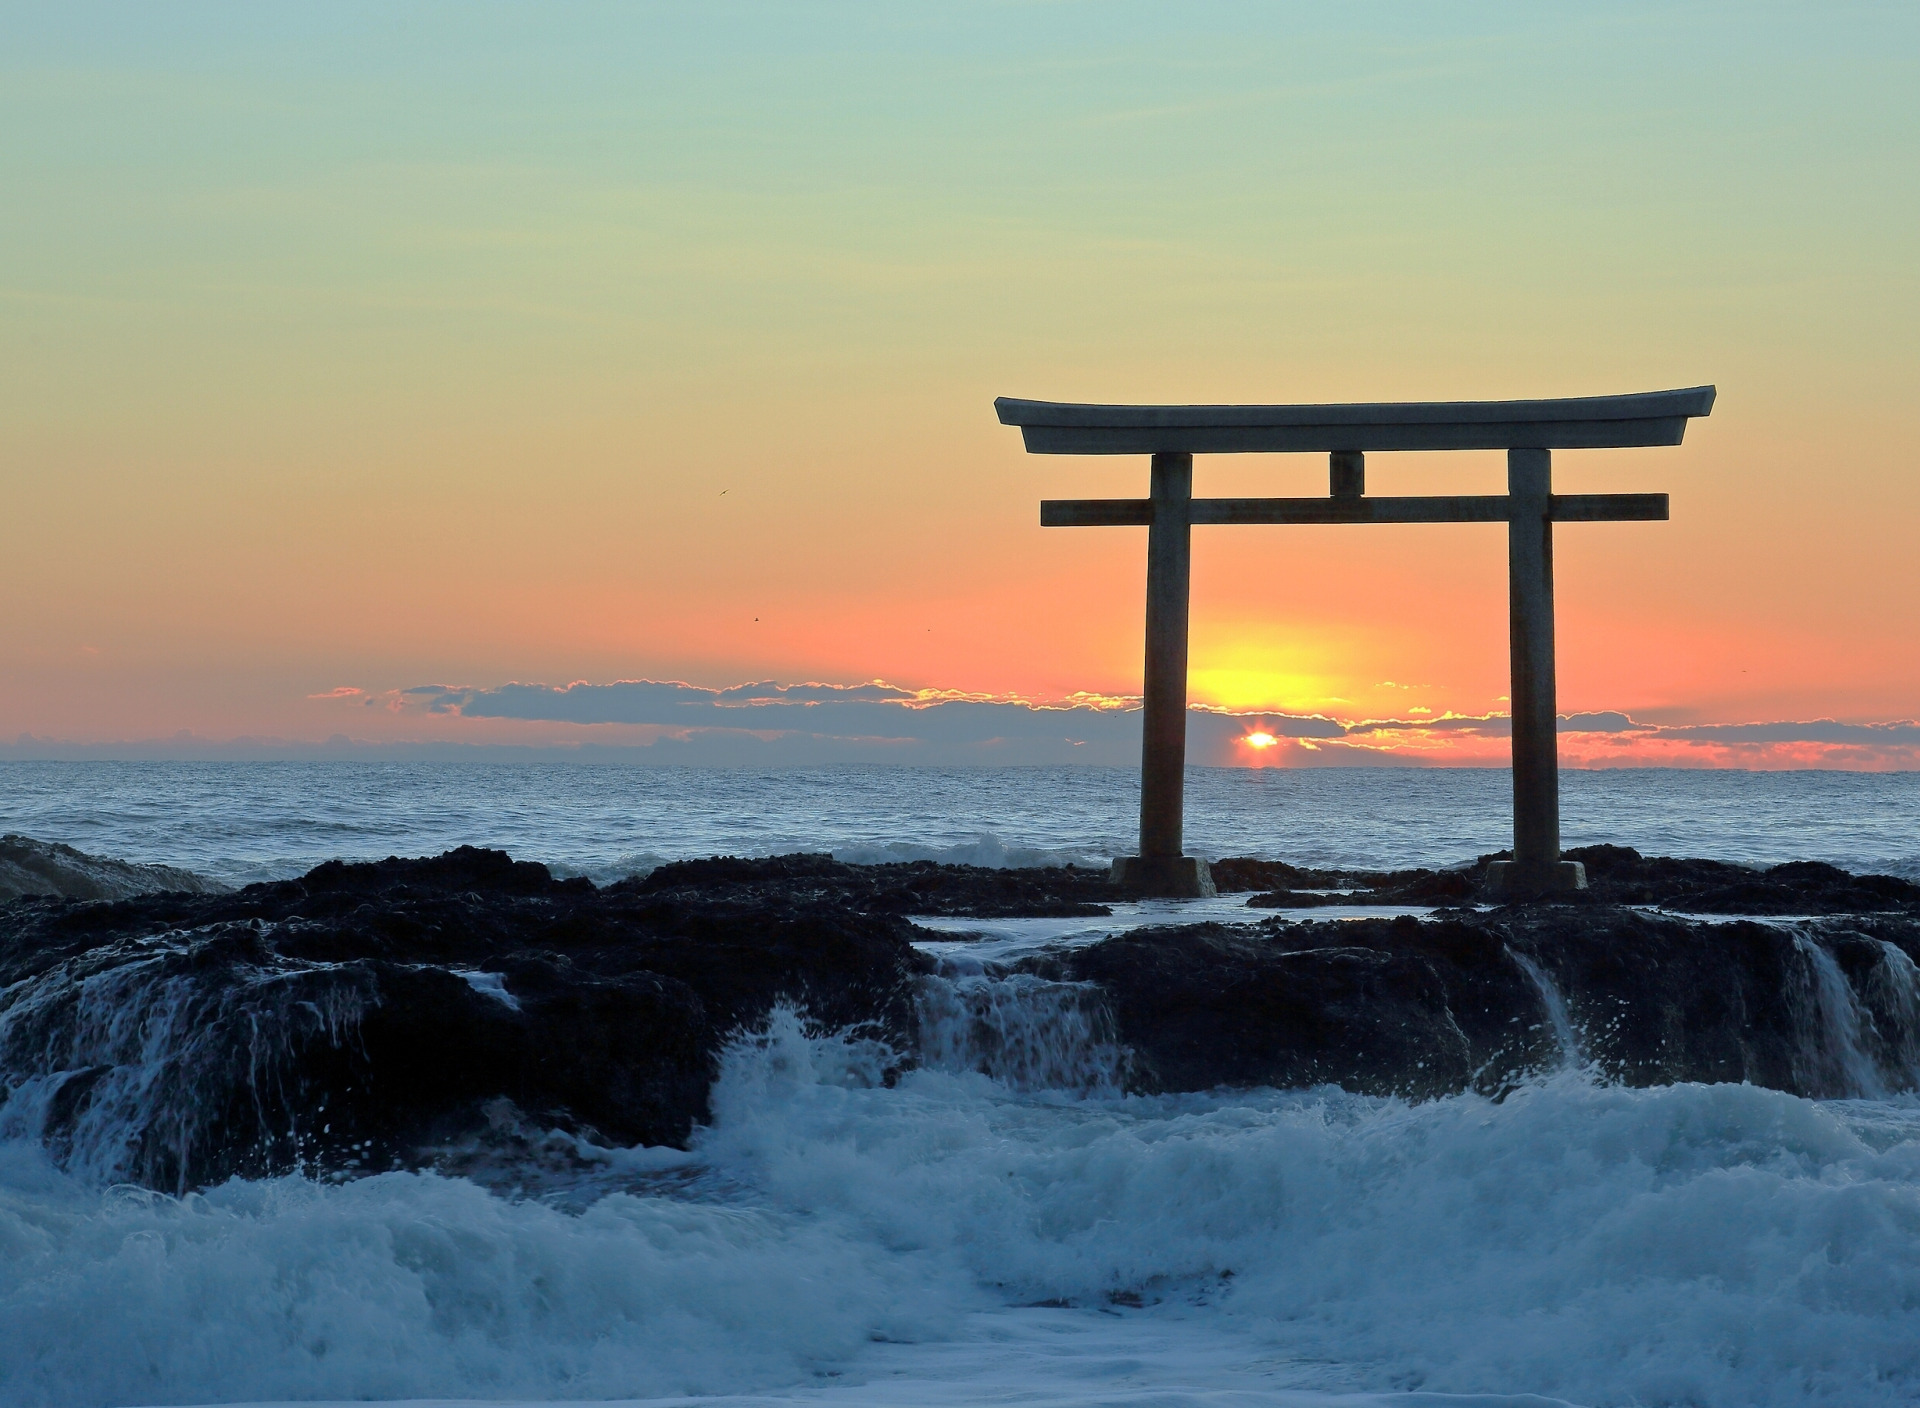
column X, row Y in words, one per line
column 1703, row 1245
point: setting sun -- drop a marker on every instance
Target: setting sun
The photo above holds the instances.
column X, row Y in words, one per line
column 1259, row 740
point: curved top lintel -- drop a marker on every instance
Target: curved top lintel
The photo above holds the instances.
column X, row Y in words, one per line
column 1644, row 418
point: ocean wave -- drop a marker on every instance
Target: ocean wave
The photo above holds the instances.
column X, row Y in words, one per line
column 983, row 849
column 1702, row 1245
column 411, row 1285
column 1707, row 1245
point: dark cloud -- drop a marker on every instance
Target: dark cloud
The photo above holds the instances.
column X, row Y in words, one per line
column 1905, row 731
column 1607, row 721
column 1277, row 725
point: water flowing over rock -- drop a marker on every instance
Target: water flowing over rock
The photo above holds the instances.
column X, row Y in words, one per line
column 411, row 1013
column 1027, row 1032
column 371, row 1016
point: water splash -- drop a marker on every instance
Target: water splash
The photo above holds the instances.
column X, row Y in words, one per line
column 1572, row 1055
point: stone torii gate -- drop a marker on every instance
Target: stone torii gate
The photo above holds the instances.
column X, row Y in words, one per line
column 1529, row 431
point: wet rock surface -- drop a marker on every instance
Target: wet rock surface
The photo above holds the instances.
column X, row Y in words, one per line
column 1427, row 1007
column 30, row 867
column 1378, row 1006
column 418, row 1013
column 908, row 887
column 366, row 1015
column 1615, row 875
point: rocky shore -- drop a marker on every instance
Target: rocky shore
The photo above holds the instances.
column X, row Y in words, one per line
column 365, row 1017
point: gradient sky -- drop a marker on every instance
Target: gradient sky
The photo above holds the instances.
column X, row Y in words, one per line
column 361, row 348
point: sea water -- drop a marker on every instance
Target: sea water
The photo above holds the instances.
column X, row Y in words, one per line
column 1000, row 1225
column 256, row 821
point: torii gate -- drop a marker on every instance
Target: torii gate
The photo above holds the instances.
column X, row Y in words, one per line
column 1527, row 430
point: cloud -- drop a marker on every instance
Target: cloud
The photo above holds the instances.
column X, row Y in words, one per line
column 1489, row 725
column 766, row 723
column 767, row 692
column 1607, row 721
column 895, row 720
column 767, row 720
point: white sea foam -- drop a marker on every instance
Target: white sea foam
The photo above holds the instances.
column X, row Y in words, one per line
column 1702, row 1245
column 409, row 1285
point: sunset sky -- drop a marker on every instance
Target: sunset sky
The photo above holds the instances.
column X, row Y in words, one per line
column 360, row 361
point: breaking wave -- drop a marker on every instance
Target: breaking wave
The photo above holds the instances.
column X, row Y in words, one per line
column 1706, row 1245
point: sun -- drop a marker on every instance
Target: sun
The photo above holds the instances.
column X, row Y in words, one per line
column 1259, row 740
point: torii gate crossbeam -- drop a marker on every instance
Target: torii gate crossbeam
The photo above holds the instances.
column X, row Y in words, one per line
column 1528, row 430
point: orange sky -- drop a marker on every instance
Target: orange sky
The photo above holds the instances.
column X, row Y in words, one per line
column 436, row 346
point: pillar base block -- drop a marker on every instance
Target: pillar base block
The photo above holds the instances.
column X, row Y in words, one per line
column 1520, row 880
column 1165, row 877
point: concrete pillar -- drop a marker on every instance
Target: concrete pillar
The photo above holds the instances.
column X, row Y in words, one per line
column 1160, row 868
column 1536, row 866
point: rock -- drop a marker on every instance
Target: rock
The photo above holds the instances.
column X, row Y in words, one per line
column 1203, row 1006
column 1615, row 875
column 1621, row 875
column 30, row 867
column 1308, row 899
column 421, row 1013
column 1424, row 1007
column 1237, row 873
column 1384, row 1007
column 368, row 1016
column 911, row 887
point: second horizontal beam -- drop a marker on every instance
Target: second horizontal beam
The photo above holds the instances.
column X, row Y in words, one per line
column 1440, row 508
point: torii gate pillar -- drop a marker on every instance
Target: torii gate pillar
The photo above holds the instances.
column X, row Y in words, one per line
column 1536, row 866
column 1160, row 868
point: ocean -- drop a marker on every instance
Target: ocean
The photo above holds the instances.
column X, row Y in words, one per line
column 1011, row 1230
column 241, row 822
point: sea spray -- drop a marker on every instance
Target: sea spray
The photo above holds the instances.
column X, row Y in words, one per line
column 1026, row 1032
column 1555, row 1007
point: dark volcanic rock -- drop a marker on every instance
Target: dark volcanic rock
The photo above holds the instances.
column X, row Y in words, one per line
column 1308, row 899
column 910, row 887
column 1423, row 1007
column 1205, row 1005
column 1615, row 875
column 1397, row 1006
column 407, row 1013
column 1621, row 875
column 1237, row 873
column 1660, row 999
column 363, row 1015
